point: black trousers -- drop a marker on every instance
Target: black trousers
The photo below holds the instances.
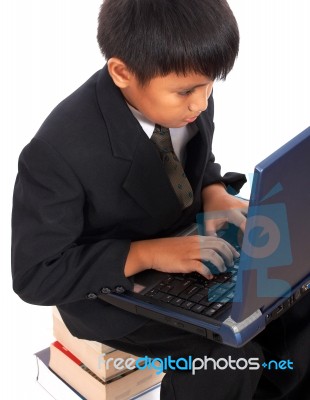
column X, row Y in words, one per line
column 287, row 338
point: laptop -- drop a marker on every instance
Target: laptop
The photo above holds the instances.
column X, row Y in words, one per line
column 271, row 275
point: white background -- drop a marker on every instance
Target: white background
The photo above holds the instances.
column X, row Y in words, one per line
column 48, row 48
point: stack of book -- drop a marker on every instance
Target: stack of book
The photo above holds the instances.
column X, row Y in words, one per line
column 78, row 368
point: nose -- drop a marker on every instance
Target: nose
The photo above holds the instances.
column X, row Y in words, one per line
column 199, row 102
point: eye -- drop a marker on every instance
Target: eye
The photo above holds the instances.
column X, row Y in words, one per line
column 186, row 92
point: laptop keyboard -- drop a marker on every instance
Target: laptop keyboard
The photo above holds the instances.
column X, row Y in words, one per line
column 195, row 293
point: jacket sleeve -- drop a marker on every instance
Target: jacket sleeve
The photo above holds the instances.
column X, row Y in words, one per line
column 232, row 180
column 212, row 174
column 49, row 266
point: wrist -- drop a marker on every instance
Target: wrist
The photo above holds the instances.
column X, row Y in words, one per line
column 214, row 189
column 138, row 258
column 213, row 195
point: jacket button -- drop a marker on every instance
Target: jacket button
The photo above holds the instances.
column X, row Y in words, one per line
column 105, row 290
column 119, row 289
column 91, row 296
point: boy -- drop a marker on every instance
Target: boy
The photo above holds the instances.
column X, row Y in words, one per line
column 98, row 197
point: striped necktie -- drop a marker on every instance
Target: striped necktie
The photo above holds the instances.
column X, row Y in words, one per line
column 162, row 139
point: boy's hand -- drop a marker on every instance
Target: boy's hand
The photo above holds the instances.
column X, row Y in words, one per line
column 186, row 254
column 221, row 208
column 180, row 255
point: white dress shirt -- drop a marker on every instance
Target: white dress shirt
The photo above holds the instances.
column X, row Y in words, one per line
column 179, row 136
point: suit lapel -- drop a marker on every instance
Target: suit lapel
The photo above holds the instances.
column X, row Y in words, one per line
column 146, row 182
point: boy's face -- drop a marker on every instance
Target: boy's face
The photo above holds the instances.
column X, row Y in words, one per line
column 172, row 101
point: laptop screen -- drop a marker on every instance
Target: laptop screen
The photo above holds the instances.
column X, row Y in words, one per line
column 275, row 249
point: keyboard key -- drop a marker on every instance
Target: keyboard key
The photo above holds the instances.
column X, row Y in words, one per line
column 160, row 286
column 209, row 312
column 225, row 299
column 177, row 301
column 190, row 291
column 205, row 302
column 158, row 295
column 167, row 298
column 230, row 295
column 209, row 284
column 203, row 292
column 168, row 280
column 166, row 288
column 197, row 298
column 229, row 285
column 198, row 308
column 222, row 277
column 213, row 297
column 188, row 305
column 178, row 286
column 152, row 292
column 221, row 290
column 217, row 306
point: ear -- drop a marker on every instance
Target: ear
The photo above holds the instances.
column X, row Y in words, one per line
column 119, row 72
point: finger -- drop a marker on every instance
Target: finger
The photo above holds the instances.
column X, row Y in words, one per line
column 225, row 249
column 218, row 260
column 214, row 258
column 210, row 228
column 211, row 233
column 245, row 211
column 213, row 225
column 240, row 221
column 203, row 270
column 242, row 225
column 231, row 248
column 238, row 216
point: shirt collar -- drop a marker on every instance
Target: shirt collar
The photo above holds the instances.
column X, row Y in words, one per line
column 146, row 124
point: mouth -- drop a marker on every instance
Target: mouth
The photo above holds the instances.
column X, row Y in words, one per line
column 189, row 120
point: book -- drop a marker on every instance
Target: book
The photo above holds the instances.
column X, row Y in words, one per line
column 91, row 355
column 123, row 387
column 58, row 389
column 50, row 382
column 97, row 346
column 152, row 393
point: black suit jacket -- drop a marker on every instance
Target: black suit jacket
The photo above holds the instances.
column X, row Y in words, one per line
column 89, row 183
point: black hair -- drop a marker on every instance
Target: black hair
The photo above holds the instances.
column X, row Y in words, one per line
column 159, row 37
